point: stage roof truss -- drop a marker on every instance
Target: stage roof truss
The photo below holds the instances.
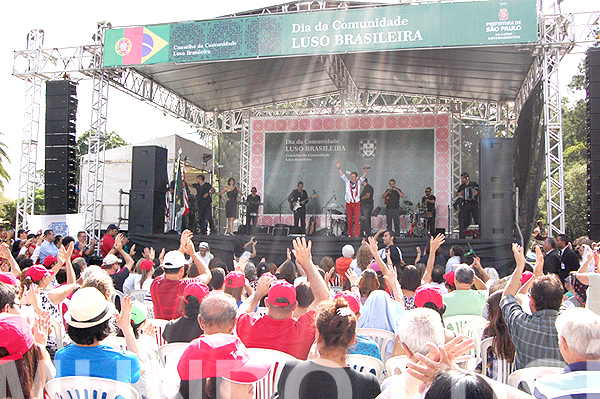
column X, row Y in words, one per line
column 556, row 39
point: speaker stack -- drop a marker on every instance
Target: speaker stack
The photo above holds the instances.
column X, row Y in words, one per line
column 60, row 175
column 496, row 188
column 592, row 65
column 147, row 203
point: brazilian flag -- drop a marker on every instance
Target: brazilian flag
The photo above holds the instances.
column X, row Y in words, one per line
column 136, row 46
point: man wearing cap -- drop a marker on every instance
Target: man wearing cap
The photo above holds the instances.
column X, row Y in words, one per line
column 464, row 300
column 220, row 366
column 187, row 327
column 112, row 264
column 167, row 289
column 87, row 322
column 108, row 240
column 48, row 247
column 204, row 252
column 277, row 329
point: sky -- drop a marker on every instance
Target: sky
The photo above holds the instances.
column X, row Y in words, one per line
column 72, row 23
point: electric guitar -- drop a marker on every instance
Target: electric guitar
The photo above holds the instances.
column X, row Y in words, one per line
column 294, row 206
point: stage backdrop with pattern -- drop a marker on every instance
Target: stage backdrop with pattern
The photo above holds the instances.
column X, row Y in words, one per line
column 412, row 149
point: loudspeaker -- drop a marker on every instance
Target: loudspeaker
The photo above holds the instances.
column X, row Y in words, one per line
column 439, row 231
column 593, row 141
column 149, row 168
column 60, row 158
column 496, row 217
column 496, row 167
column 146, row 212
column 281, row 231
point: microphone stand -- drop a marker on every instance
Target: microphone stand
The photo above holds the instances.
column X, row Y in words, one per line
column 328, row 211
column 280, row 205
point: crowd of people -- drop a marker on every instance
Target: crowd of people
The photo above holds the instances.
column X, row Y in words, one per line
column 546, row 313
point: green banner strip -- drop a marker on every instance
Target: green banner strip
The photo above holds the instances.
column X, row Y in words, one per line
column 333, row 31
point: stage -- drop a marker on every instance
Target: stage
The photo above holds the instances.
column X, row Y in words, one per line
column 273, row 248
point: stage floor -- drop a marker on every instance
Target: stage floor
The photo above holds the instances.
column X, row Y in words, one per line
column 273, row 248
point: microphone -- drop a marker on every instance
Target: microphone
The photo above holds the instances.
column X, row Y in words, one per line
column 366, row 167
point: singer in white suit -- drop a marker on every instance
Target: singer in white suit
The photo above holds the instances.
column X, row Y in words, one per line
column 352, row 199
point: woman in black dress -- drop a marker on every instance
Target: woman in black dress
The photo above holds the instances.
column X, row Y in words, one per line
column 230, row 202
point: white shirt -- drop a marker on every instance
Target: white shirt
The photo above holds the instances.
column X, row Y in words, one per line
column 452, row 263
column 207, row 258
column 352, row 191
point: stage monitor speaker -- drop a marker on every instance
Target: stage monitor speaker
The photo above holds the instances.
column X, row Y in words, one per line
column 440, row 231
column 496, row 211
column 593, row 141
column 279, row 231
column 149, row 168
column 146, row 212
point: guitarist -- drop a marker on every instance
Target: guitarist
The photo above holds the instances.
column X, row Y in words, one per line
column 392, row 206
column 352, row 199
column 299, row 197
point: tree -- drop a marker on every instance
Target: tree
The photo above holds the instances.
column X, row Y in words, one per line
column 113, row 140
column 4, row 177
column 8, row 209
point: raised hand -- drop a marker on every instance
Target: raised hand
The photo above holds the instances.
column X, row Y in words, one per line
column 41, row 328
column 436, row 243
column 302, row 251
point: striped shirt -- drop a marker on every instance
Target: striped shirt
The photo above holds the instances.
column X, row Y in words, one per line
column 534, row 336
column 580, row 380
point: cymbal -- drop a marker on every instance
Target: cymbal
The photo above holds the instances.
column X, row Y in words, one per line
column 335, row 212
column 408, row 203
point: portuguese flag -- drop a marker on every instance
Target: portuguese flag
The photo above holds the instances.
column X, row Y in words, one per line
column 136, row 46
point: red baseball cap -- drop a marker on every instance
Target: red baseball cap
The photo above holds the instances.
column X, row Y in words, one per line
column 221, row 355
column 352, row 299
column 428, row 293
column 235, row 279
column 449, row 277
column 36, row 272
column 15, row 336
column 282, row 289
column 525, row 277
column 146, row 265
column 49, row 260
column 9, row 278
column 198, row 290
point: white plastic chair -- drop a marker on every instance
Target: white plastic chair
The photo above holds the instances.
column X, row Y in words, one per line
column 90, row 387
column 396, row 365
column 456, row 323
column 383, row 338
column 58, row 330
column 147, row 354
column 159, row 325
column 140, row 295
column 528, row 375
column 163, row 391
column 474, row 330
column 504, row 367
column 168, row 356
column 120, row 295
column 268, row 385
column 366, row 364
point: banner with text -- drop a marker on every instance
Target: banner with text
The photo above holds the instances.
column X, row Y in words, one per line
column 467, row 23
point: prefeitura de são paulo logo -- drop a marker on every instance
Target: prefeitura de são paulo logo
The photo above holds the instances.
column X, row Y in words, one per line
column 367, row 148
column 123, row 46
column 503, row 14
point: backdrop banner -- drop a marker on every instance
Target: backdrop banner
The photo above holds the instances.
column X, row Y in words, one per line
column 414, row 150
column 393, row 27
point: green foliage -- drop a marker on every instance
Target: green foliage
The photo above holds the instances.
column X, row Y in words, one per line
column 113, row 140
column 4, row 177
column 8, row 209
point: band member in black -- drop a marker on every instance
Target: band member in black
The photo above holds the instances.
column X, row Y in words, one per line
column 469, row 191
column 428, row 205
column 253, row 202
column 366, row 208
column 392, row 206
column 298, row 199
column 204, row 192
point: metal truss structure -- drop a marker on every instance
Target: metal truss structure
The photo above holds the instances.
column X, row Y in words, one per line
column 33, row 96
column 85, row 63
